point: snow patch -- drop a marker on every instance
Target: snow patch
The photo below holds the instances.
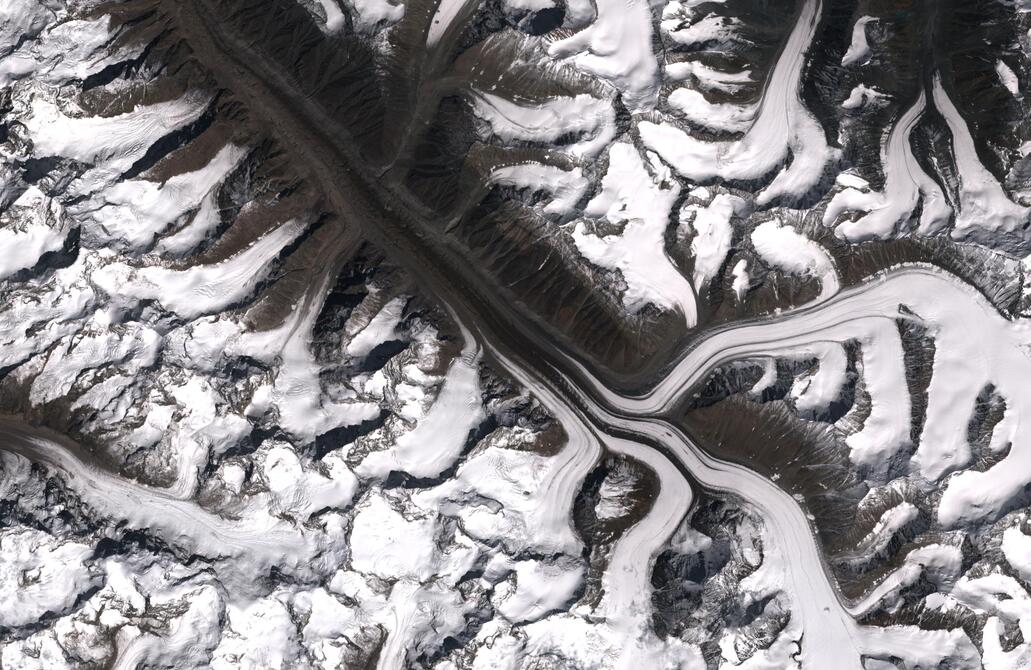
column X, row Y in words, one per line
column 546, row 121
column 32, row 227
column 201, row 289
column 859, row 50
column 617, row 47
column 986, row 213
column 439, row 437
column 781, row 247
column 1007, row 77
column 713, row 234
column 565, row 186
column 39, row 574
column 639, row 195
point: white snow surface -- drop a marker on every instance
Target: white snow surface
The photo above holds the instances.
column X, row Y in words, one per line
column 373, row 13
column 741, row 279
column 782, row 248
column 134, row 212
column 986, row 213
column 39, row 574
column 538, row 589
column 35, row 48
column 713, row 233
column 256, row 541
column 526, row 496
column 134, row 346
column 1016, row 546
column 639, row 194
column 20, row 18
column 382, row 328
column 709, row 78
column 886, row 429
column 782, row 128
column 298, row 491
column 375, row 550
column 296, row 393
column 201, row 289
column 860, row 96
column 334, row 17
column 814, row 393
column 112, row 144
column 566, row 187
column 439, row 437
column 31, row 228
column 693, row 106
column 905, row 186
column 710, row 28
column 617, row 47
column 258, row 634
column 1007, row 77
column 858, row 52
column 594, row 119
column 891, row 521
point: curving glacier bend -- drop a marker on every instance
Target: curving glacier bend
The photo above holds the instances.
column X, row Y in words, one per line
column 523, row 335
column 949, row 307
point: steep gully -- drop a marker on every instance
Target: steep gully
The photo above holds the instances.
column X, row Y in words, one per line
column 590, row 411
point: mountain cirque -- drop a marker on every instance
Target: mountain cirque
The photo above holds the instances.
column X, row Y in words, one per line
column 515, row 334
